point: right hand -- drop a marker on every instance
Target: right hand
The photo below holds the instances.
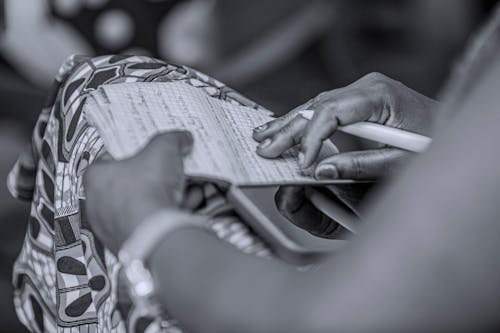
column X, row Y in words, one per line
column 375, row 98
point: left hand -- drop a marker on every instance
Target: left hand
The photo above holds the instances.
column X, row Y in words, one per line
column 293, row 204
column 120, row 194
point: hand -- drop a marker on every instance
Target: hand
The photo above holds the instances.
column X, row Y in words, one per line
column 120, row 194
column 293, row 203
column 375, row 98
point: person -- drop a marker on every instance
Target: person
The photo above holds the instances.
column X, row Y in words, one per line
column 426, row 260
column 64, row 276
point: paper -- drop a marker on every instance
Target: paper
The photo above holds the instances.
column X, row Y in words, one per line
column 127, row 115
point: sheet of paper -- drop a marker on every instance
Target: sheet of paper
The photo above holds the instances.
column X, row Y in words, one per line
column 127, row 115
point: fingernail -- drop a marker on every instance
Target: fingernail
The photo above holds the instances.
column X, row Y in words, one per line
column 260, row 128
column 326, row 171
column 301, row 158
column 265, row 143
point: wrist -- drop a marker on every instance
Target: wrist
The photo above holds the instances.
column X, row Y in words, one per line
column 140, row 246
column 129, row 222
column 153, row 230
column 135, row 211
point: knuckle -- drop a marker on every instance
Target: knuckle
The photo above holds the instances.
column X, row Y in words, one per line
column 382, row 87
column 375, row 76
column 347, row 167
column 284, row 118
column 329, row 123
column 271, row 122
column 325, row 109
column 377, row 84
column 324, row 100
column 278, row 122
column 356, row 167
column 282, row 139
column 295, row 140
column 379, row 81
column 325, row 127
column 322, row 95
column 168, row 140
column 393, row 157
column 290, row 132
column 285, row 130
column 309, row 142
column 158, row 138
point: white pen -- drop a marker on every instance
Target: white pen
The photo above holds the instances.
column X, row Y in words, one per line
column 384, row 134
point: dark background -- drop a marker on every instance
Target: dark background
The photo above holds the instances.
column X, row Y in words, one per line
column 278, row 52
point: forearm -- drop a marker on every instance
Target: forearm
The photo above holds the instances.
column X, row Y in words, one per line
column 422, row 264
column 429, row 258
column 211, row 287
column 427, row 261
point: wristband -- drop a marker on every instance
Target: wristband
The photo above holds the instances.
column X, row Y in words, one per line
column 140, row 245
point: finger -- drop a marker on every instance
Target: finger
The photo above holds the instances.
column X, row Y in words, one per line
column 182, row 141
column 333, row 109
column 193, row 197
column 162, row 159
column 293, row 204
column 287, row 137
column 367, row 164
column 270, row 128
column 289, row 199
column 318, row 129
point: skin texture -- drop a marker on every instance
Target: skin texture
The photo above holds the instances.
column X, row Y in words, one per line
column 375, row 98
column 293, row 203
column 427, row 261
column 139, row 185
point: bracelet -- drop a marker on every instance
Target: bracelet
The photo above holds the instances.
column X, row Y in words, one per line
column 141, row 244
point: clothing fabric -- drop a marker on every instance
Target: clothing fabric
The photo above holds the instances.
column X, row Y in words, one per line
column 65, row 279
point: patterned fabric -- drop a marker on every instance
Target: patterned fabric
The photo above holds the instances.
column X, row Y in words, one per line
column 65, row 280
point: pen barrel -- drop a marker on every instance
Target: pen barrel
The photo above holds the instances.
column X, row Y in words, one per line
column 388, row 135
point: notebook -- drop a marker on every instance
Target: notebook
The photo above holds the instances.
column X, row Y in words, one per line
column 127, row 115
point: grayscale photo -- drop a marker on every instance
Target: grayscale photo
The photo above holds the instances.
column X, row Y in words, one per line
column 264, row 166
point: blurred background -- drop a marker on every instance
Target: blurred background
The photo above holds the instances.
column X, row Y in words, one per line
column 278, row 52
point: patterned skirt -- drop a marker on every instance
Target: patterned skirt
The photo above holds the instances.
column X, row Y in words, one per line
column 65, row 279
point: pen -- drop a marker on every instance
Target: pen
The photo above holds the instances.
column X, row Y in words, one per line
column 388, row 135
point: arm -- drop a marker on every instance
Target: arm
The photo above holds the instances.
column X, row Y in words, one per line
column 428, row 262
column 211, row 287
column 431, row 260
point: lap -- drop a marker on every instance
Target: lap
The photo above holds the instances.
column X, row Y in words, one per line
column 63, row 276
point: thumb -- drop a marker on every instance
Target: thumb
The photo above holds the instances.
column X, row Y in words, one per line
column 162, row 158
column 166, row 150
column 179, row 141
column 366, row 164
